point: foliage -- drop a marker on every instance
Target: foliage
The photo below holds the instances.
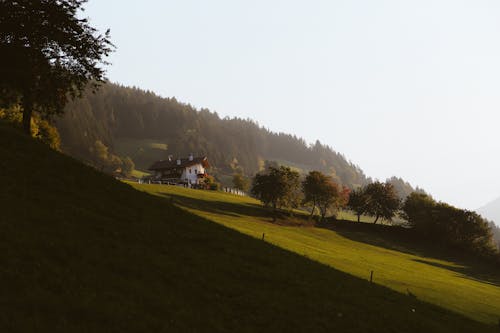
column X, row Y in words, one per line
column 48, row 54
column 358, row 202
column 128, row 166
column 496, row 234
column 116, row 114
column 240, row 182
column 277, row 188
column 320, row 191
column 210, row 183
column 403, row 188
column 391, row 252
column 108, row 258
column 383, row 201
column 440, row 221
column 41, row 129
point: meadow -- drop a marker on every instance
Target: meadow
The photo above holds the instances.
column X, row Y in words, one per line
column 83, row 252
column 431, row 274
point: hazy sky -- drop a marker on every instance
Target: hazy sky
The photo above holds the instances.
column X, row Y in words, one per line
column 405, row 88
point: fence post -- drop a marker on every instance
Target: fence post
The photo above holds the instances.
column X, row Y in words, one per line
column 371, row 276
column 263, row 236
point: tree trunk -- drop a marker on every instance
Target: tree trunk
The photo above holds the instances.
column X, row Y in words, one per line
column 27, row 105
column 359, row 216
column 312, row 210
column 274, row 212
column 376, row 219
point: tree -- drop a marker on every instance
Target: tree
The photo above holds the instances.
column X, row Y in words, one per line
column 49, row 54
column 358, row 202
column 322, row 192
column 442, row 222
column 383, row 200
column 312, row 187
column 277, row 188
column 128, row 166
column 417, row 209
column 240, row 182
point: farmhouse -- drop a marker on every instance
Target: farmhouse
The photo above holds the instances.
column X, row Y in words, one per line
column 189, row 171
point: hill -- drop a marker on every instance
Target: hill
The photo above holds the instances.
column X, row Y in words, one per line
column 432, row 272
column 81, row 251
column 491, row 211
column 139, row 124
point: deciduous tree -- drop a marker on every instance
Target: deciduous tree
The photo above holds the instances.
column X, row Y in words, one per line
column 277, row 188
column 48, row 54
column 383, row 201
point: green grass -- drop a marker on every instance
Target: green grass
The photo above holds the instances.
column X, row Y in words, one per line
column 83, row 252
column 143, row 152
column 460, row 286
column 139, row 174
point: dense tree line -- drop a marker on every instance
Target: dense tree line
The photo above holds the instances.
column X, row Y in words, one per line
column 281, row 188
column 442, row 222
column 118, row 112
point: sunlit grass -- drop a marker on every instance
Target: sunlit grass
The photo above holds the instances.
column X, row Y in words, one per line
column 452, row 285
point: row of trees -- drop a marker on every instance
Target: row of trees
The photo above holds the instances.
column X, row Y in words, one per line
column 375, row 199
column 281, row 188
column 439, row 221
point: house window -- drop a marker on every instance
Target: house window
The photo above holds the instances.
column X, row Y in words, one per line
column 189, row 170
column 195, row 171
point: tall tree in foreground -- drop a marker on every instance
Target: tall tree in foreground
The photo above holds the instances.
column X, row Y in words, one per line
column 48, row 55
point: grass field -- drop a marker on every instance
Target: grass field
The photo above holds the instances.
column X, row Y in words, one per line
column 83, row 252
column 472, row 290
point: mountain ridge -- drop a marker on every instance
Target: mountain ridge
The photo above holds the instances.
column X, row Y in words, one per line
column 147, row 127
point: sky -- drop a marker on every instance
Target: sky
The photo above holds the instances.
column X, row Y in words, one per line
column 404, row 88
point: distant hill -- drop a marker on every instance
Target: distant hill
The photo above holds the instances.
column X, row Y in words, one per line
column 139, row 124
column 491, row 211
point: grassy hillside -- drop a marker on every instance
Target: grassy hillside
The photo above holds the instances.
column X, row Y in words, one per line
column 465, row 287
column 82, row 252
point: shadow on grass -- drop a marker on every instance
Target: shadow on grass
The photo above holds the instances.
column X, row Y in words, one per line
column 403, row 240
column 475, row 273
column 248, row 210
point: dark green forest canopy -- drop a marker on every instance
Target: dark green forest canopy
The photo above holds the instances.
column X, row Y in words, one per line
column 116, row 115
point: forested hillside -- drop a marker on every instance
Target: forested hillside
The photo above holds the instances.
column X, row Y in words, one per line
column 131, row 122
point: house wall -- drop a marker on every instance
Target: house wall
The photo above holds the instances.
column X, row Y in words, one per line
column 191, row 173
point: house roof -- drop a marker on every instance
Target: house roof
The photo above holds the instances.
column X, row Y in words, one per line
column 185, row 162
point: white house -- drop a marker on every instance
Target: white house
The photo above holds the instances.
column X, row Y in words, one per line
column 189, row 171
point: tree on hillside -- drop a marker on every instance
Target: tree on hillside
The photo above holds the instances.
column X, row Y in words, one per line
column 240, row 182
column 312, row 187
column 358, row 202
column 417, row 209
column 277, row 188
column 323, row 193
column 383, row 201
column 48, row 55
column 440, row 221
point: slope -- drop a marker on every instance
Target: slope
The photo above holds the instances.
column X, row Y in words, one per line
column 130, row 120
column 491, row 211
column 400, row 263
column 82, row 252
